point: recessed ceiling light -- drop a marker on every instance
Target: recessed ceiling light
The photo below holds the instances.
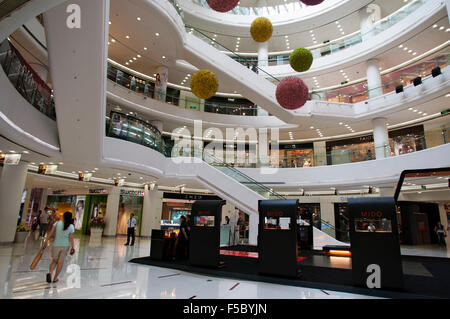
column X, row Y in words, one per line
column 138, row 55
column 113, row 40
column 138, row 18
column 109, row 22
column 127, row 37
column 145, row 48
column 435, row 26
column 163, row 56
column 157, row 34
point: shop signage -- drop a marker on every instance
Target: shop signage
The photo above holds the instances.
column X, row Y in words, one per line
column 59, row 191
column 131, row 192
column 98, row 191
column 189, row 196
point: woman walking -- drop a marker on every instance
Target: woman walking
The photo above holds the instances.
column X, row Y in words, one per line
column 62, row 232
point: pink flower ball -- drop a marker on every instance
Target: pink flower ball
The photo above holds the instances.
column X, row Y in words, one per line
column 292, row 93
column 312, row 2
column 222, row 5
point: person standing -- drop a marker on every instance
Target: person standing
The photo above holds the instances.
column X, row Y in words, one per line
column 131, row 230
column 182, row 240
column 43, row 222
column 440, row 232
column 62, row 232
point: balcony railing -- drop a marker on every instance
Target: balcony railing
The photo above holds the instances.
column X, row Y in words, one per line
column 26, row 81
column 139, row 131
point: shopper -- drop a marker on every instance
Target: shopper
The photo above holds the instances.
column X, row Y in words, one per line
column 62, row 232
column 43, row 222
column 441, row 234
column 182, row 240
column 227, row 220
column 131, row 230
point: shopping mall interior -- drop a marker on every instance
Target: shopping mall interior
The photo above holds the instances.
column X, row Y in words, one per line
column 164, row 108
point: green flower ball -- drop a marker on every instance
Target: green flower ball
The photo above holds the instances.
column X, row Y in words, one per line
column 301, row 59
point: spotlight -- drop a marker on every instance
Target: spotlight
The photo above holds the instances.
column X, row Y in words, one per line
column 399, row 88
column 417, row 81
column 436, row 71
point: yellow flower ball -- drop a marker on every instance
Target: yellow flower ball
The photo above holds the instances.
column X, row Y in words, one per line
column 204, row 84
column 261, row 29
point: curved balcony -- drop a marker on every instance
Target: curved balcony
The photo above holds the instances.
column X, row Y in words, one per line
column 348, row 94
column 26, row 81
column 401, row 142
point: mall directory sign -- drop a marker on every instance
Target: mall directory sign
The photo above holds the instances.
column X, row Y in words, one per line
column 375, row 246
column 204, row 244
column 277, row 237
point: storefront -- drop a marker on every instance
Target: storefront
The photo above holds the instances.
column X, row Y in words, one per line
column 294, row 155
column 131, row 202
column 82, row 206
column 359, row 149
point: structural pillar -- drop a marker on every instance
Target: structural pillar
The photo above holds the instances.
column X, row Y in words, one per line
column 374, row 85
column 112, row 212
column 161, row 85
column 380, row 138
column 12, row 183
column 151, row 211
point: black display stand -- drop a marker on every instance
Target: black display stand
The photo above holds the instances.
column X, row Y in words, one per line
column 375, row 246
column 161, row 247
column 204, row 244
column 277, row 244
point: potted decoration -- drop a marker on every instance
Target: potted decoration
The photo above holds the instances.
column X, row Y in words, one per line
column 97, row 224
column 22, row 231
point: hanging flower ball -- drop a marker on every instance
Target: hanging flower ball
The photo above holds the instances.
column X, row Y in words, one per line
column 301, row 59
column 292, row 93
column 222, row 5
column 312, row 2
column 261, row 29
column 204, row 84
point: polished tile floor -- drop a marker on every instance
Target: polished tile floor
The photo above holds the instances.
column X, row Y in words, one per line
column 104, row 272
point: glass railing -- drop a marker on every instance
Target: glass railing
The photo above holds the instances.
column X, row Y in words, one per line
column 332, row 46
column 359, row 92
column 26, row 81
column 146, row 88
column 140, row 131
column 292, row 7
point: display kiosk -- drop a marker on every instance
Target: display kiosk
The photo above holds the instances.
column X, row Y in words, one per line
column 162, row 244
column 204, row 244
column 375, row 246
column 277, row 237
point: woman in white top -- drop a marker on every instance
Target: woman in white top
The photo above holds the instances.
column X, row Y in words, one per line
column 63, row 239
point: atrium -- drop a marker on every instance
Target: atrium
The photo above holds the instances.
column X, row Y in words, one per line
column 269, row 124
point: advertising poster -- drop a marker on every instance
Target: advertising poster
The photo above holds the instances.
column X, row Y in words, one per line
column 447, row 211
column 79, row 212
column 12, row 159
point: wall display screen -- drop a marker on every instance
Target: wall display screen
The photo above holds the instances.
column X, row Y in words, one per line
column 204, row 221
column 277, row 223
column 177, row 213
column 12, row 159
column 373, row 225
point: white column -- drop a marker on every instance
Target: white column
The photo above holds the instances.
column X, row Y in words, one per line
column 253, row 229
column 112, row 212
column 151, row 212
column 12, row 183
column 380, row 138
column 374, row 85
column 444, row 220
column 161, row 87
column 263, row 54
